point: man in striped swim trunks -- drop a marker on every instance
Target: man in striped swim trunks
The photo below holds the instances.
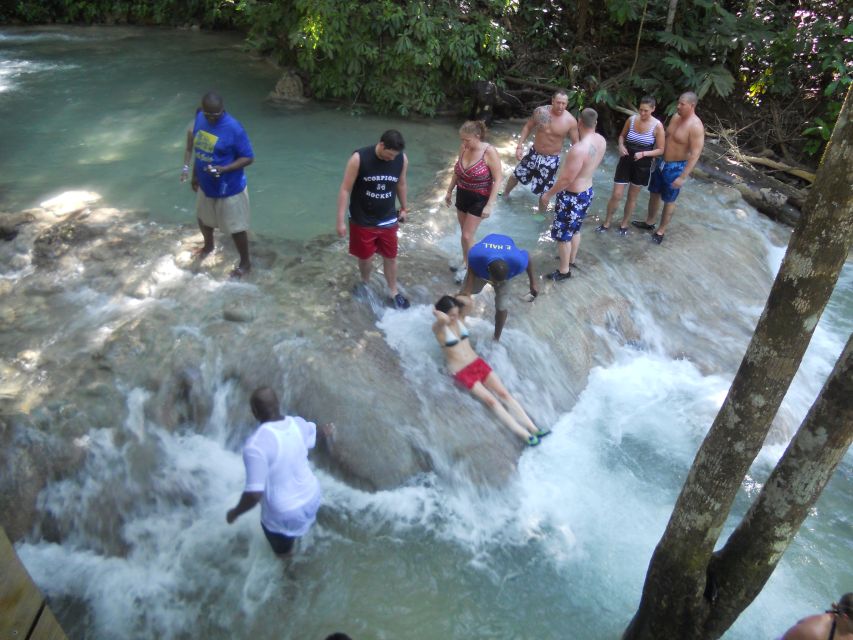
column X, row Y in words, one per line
column 685, row 139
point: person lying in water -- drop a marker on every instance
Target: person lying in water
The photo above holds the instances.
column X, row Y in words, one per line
column 473, row 373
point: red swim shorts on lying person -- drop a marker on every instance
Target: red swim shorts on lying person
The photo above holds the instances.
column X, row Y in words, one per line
column 475, row 372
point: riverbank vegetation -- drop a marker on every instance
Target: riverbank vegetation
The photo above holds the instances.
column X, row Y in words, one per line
column 771, row 76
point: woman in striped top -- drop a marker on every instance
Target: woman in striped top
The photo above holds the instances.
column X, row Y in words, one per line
column 642, row 138
column 477, row 178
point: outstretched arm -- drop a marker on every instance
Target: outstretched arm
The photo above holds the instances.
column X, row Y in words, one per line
column 529, row 126
column 531, row 277
column 248, row 500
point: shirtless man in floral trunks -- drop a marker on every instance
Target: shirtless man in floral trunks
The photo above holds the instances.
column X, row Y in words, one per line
column 685, row 138
column 574, row 192
column 538, row 168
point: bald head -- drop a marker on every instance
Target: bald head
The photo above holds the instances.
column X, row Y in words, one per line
column 264, row 403
column 212, row 102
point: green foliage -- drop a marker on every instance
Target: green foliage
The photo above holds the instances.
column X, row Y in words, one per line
column 401, row 57
column 208, row 13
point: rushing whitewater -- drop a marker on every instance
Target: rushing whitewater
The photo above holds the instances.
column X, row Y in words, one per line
column 126, row 369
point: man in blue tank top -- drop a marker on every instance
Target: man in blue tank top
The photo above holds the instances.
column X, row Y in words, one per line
column 496, row 260
column 221, row 150
column 375, row 177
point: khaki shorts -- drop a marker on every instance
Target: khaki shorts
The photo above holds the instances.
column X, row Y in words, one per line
column 229, row 214
column 501, row 291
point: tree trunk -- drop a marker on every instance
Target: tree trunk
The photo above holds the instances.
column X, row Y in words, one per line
column 742, row 567
column 674, row 602
column 670, row 15
column 583, row 18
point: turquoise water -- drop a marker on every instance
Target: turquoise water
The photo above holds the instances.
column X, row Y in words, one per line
column 560, row 552
column 106, row 109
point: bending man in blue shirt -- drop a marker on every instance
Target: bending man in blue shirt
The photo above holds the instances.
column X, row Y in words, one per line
column 496, row 260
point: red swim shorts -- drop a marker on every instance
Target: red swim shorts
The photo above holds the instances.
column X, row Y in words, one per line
column 475, row 372
column 365, row 241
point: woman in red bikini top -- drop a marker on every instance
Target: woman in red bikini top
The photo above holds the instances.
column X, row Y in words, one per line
column 477, row 178
column 471, row 371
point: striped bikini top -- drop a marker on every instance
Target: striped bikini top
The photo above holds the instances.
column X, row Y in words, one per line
column 637, row 141
column 477, row 177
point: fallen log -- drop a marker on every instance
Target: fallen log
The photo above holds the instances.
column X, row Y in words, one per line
column 773, row 198
column 773, row 164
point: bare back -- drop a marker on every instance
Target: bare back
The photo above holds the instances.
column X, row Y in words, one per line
column 551, row 129
column 581, row 162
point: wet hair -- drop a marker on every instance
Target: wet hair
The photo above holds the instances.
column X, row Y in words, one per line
column 498, row 270
column 212, row 101
column 474, row 128
column 393, row 140
column 446, row 303
column 589, row 118
column 264, row 403
column 560, row 92
column 649, row 100
column 338, row 636
column 844, row 606
column 689, row 96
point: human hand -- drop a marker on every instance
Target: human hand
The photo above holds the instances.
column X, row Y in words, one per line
column 639, row 155
column 519, row 151
column 679, row 182
column 341, row 228
column 214, row 171
column 230, row 517
column 402, row 215
column 447, row 198
column 185, row 174
column 622, row 150
column 487, row 211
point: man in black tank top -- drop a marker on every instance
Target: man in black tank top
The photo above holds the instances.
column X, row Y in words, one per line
column 375, row 177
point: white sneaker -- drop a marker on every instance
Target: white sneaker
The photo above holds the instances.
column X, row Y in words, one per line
column 459, row 278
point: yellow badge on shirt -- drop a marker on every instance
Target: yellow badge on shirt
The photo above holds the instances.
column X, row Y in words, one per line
column 204, row 143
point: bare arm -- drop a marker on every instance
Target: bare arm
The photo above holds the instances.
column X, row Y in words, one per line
column 620, row 144
column 239, row 163
column 531, row 276
column 453, row 179
column 188, row 154
column 248, row 500
column 695, row 144
column 493, row 161
column 569, row 169
column 350, row 174
column 574, row 134
column 529, row 126
column 403, row 190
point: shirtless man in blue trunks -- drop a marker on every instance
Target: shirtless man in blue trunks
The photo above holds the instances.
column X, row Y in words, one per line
column 574, row 192
column 538, row 168
column 685, row 139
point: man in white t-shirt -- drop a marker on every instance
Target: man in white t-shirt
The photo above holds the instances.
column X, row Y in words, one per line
column 278, row 475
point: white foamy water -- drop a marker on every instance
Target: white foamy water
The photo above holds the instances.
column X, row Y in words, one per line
column 560, row 551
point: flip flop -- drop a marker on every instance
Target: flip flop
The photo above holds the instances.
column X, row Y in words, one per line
column 642, row 224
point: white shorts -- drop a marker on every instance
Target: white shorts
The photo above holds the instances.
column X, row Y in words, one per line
column 230, row 214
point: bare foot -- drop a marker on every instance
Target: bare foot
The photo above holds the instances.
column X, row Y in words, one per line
column 200, row 253
column 239, row 272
